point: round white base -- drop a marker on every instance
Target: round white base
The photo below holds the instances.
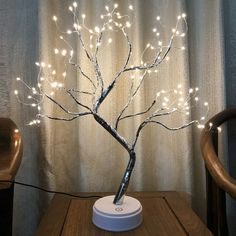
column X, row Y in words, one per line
column 111, row 217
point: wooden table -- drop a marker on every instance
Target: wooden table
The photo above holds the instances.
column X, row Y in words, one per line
column 164, row 213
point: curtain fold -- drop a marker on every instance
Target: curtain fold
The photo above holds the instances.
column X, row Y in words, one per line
column 80, row 155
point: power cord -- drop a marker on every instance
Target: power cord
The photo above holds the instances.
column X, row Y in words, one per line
column 49, row 191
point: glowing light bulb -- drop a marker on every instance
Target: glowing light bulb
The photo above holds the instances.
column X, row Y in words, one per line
column 205, row 103
column 54, row 84
column 63, row 52
column 131, row 7
column 83, row 16
column 42, row 64
column 37, row 63
column 64, row 74
column 190, row 90
column 109, row 40
column 70, row 8
column 33, row 105
column 54, row 18
column 107, row 8
column 116, row 5
column 158, row 18
column 219, row 129
column 183, row 48
column 128, row 24
column 69, row 32
column 154, row 30
column 75, row 4
column 41, row 79
column 196, row 98
column 16, row 92
column 18, row 78
column 183, row 15
column 97, row 29
column 56, row 51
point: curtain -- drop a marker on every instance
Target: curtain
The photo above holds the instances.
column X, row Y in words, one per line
column 80, row 155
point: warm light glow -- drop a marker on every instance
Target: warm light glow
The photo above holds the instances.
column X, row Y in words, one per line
column 54, row 18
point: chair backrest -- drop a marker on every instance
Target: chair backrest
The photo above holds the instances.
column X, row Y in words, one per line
column 218, row 179
column 11, row 149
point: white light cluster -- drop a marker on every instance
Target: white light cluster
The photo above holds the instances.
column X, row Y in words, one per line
column 50, row 81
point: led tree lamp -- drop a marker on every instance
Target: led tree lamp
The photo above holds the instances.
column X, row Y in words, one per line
column 115, row 213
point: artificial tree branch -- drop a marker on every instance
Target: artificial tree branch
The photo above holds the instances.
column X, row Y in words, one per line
column 144, row 123
column 77, row 101
column 65, row 119
column 139, row 113
column 131, row 97
column 110, row 87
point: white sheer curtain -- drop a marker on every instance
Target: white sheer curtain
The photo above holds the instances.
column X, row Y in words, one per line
column 81, row 156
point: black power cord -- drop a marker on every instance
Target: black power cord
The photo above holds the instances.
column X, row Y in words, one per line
column 49, row 191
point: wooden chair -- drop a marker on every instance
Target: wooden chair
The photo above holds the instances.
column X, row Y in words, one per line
column 218, row 179
column 11, row 150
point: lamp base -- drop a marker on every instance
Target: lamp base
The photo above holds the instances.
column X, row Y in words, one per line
column 111, row 217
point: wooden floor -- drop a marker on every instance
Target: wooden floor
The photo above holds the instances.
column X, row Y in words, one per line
column 164, row 213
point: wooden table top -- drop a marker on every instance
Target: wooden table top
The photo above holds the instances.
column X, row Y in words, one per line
column 164, row 213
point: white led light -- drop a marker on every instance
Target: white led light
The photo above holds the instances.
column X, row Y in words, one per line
column 63, row 52
column 97, row 29
column 158, row 18
column 18, row 78
column 75, row 4
column 54, row 18
column 128, row 24
column 131, row 7
column 16, row 92
column 56, row 51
